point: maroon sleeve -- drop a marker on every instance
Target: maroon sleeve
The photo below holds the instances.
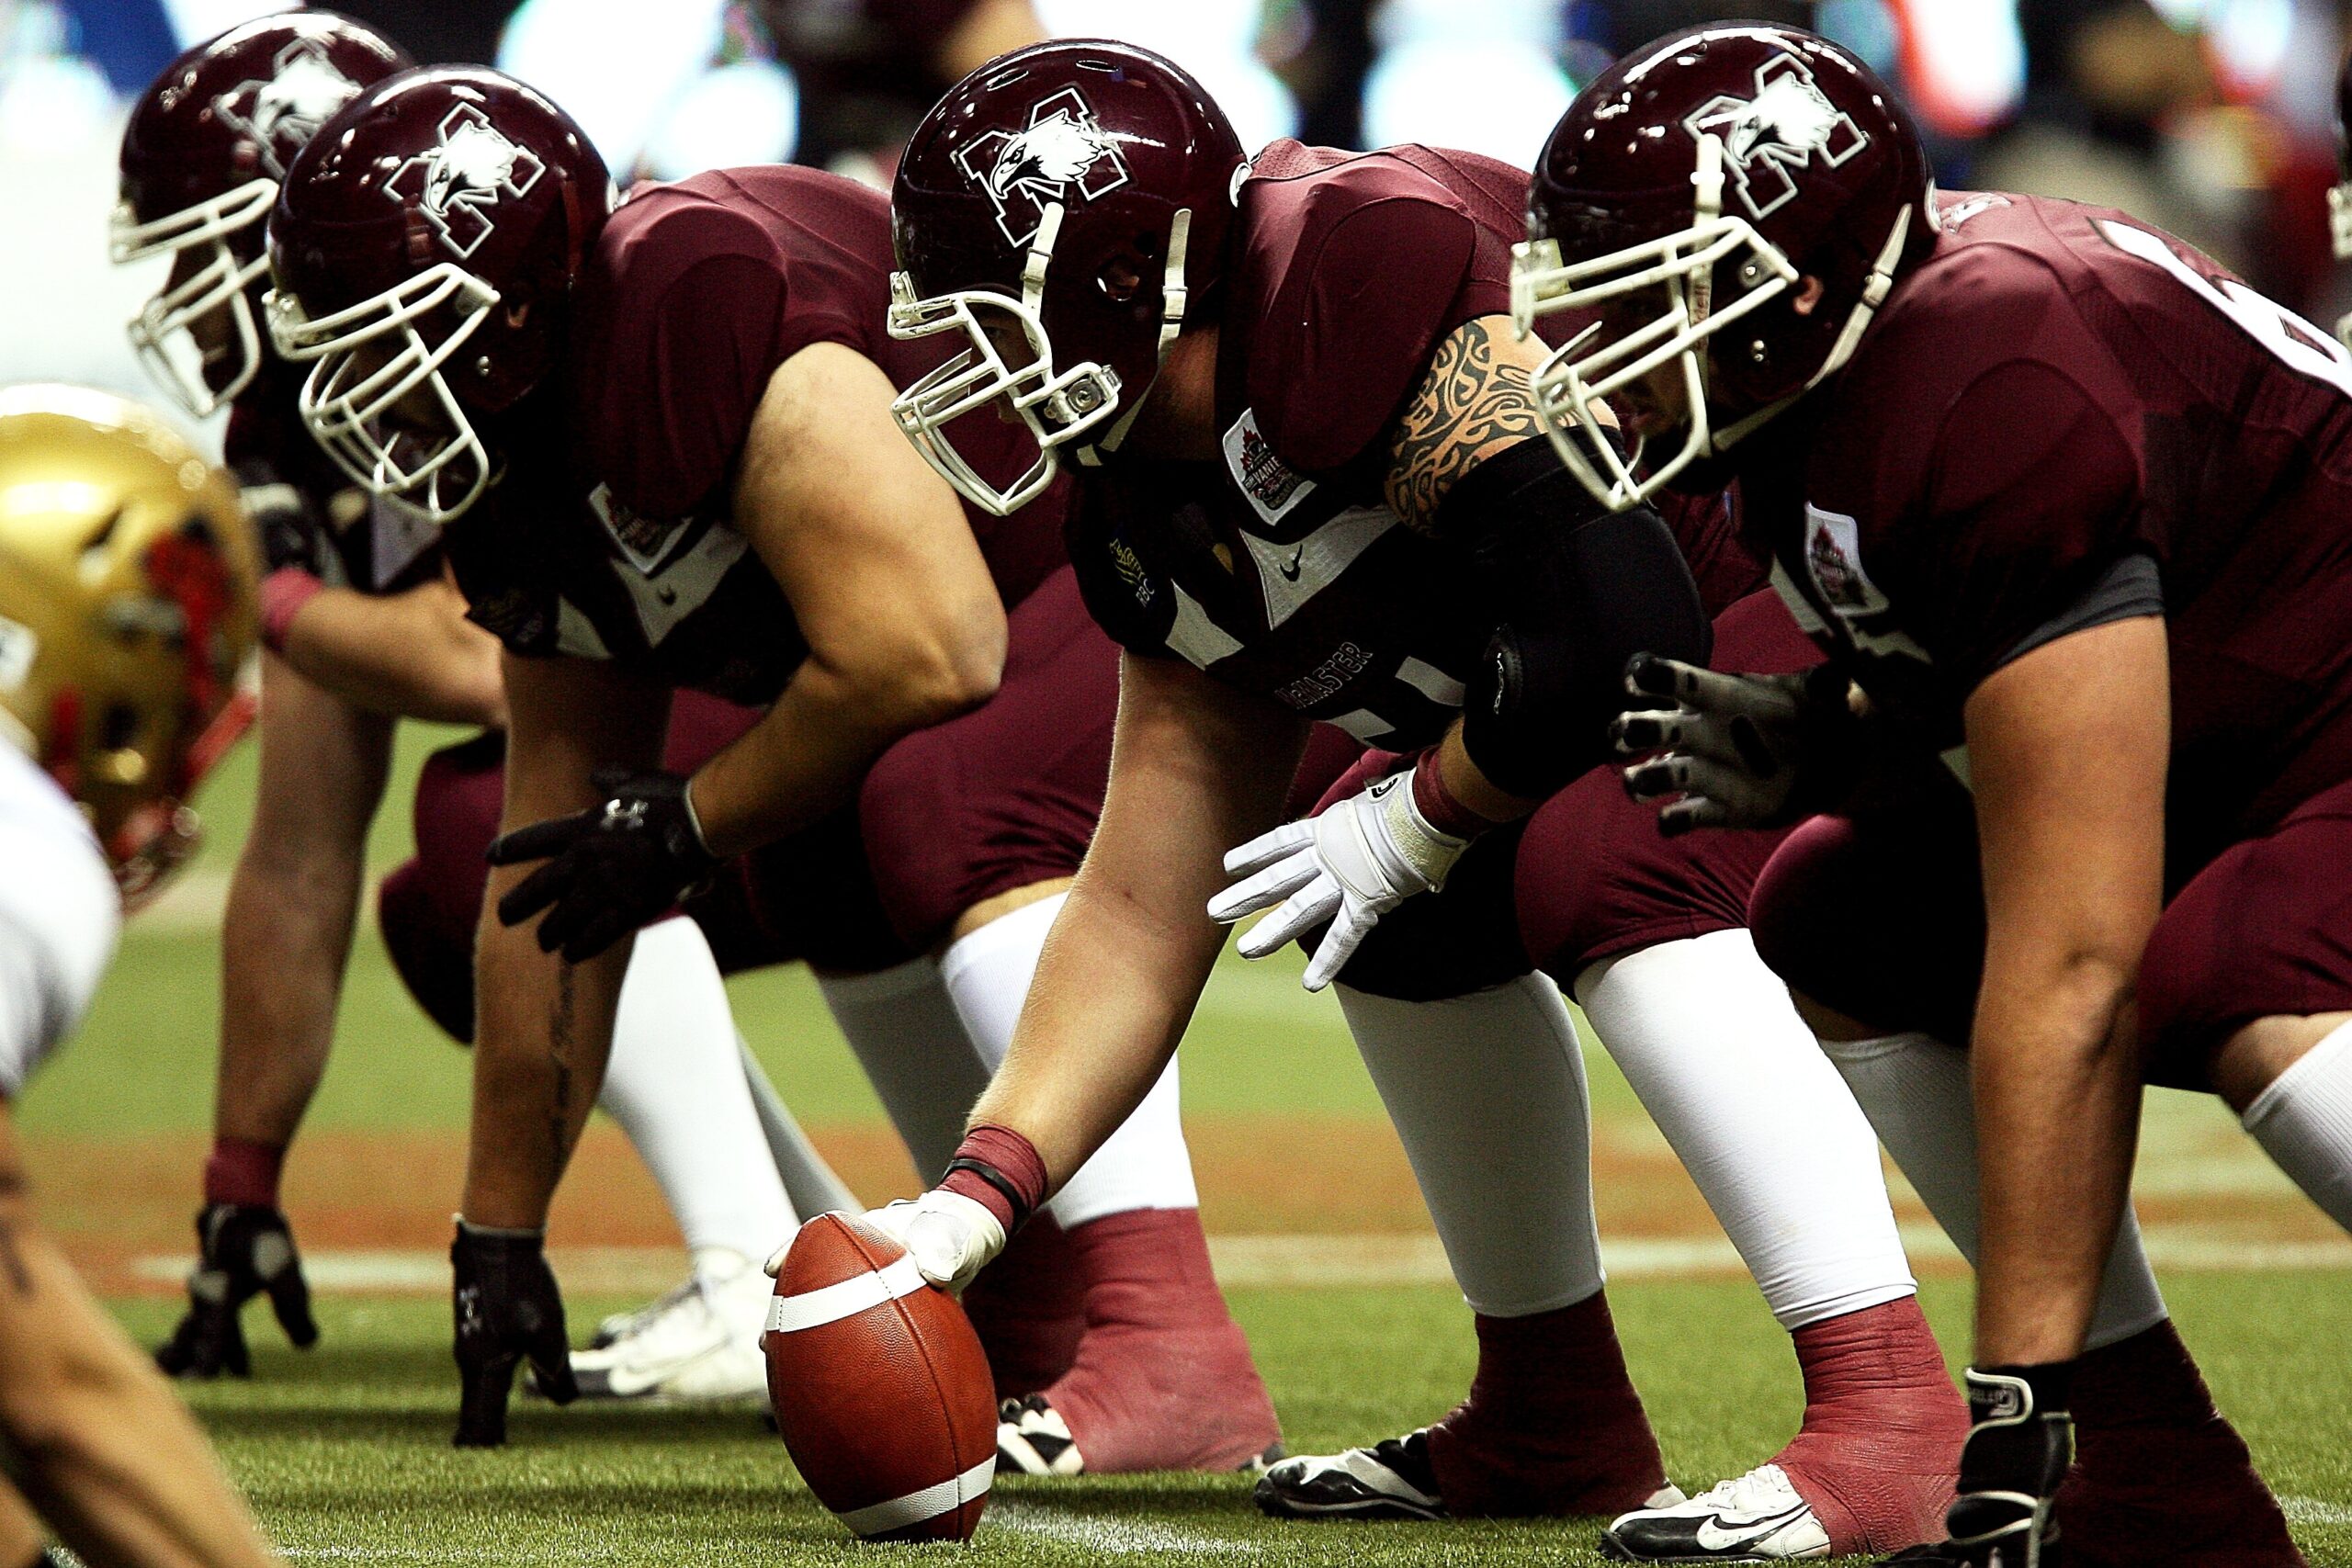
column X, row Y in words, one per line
column 680, row 332
column 1353, row 324
column 2032, row 495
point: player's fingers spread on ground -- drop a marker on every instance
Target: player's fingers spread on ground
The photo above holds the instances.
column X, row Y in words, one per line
column 551, row 1359
column 1267, row 889
column 1268, row 847
column 1302, row 912
column 290, row 1298
column 539, row 839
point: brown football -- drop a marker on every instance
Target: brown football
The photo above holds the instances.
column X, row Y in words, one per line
column 880, row 1387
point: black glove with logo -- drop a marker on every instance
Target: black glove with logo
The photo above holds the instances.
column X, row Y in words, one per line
column 2020, row 1442
column 508, row 1308
column 1742, row 751
column 611, row 868
column 242, row 1251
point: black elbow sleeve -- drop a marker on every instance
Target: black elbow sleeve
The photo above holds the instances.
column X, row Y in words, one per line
column 1576, row 591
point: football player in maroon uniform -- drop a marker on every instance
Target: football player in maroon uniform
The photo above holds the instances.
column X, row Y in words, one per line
column 2068, row 505
column 363, row 628
column 1312, row 487
column 663, row 449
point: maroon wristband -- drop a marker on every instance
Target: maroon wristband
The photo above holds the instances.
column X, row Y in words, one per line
column 999, row 1170
column 283, row 595
column 1438, row 806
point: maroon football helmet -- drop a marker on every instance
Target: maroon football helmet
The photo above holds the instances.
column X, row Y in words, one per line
column 203, row 154
column 448, row 207
column 1061, row 208
column 1683, row 196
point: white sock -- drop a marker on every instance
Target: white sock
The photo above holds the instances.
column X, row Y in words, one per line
column 903, row 1030
column 1488, row 1097
column 1145, row 1164
column 2305, row 1121
column 1707, row 1036
column 1916, row 1093
column 674, row 1083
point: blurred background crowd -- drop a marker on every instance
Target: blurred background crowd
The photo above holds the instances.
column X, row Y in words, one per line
column 2215, row 119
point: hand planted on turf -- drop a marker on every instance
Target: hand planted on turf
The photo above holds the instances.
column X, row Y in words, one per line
column 610, row 869
column 1742, row 751
column 950, row 1237
column 1349, row 866
column 2020, row 1446
column 507, row 1307
column 243, row 1250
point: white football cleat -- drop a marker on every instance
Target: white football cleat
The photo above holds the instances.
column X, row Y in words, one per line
column 700, row 1343
column 1758, row 1518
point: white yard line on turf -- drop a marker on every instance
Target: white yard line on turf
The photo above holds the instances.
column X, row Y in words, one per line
column 2313, row 1511
column 1280, row 1262
column 1102, row 1535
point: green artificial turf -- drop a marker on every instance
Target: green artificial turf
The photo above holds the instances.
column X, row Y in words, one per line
column 345, row 1451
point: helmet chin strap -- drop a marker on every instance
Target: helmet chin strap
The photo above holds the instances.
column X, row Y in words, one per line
column 1875, row 288
column 1174, row 299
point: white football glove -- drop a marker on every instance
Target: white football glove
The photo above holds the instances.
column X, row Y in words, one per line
column 950, row 1238
column 1350, row 867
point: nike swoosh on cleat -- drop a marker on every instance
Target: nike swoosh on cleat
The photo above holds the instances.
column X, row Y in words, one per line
column 1711, row 1538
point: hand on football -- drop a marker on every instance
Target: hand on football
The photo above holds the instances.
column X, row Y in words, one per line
column 610, row 869
column 508, row 1308
column 950, row 1237
column 1741, row 751
column 1347, row 866
column 243, row 1250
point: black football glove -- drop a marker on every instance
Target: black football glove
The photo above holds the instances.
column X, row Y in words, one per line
column 291, row 531
column 2021, row 1441
column 243, row 1250
column 508, row 1308
column 1742, row 751
column 611, row 868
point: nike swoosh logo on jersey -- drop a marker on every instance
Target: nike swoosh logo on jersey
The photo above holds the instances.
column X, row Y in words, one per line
column 1712, row 1536
column 1290, row 567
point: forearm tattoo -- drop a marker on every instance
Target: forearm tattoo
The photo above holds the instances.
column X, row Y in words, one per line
column 1473, row 406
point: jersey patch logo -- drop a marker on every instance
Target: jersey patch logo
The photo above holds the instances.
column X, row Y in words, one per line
column 281, row 113
column 1273, row 486
column 459, row 181
column 1779, row 130
column 1063, row 155
column 1833, row 559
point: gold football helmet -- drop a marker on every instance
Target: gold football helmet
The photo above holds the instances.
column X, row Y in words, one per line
column 127, row 605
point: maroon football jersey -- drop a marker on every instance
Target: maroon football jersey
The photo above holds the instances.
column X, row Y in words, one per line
column 1280, row 568
column 312, row 516
column 2059, row 398
column 697, row 291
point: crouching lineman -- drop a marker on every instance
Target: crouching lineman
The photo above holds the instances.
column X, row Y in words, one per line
column 127, row 588
column 1314, row 488
column 2071, row 510
column 361, row 628
column 744, row 521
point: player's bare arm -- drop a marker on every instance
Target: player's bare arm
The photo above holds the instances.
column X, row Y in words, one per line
column 294, row 900
column 406, row 655
column 98, row 1443
column 2067, row 749
column 903, row 623
column 1195, row 766
column 545, row 1026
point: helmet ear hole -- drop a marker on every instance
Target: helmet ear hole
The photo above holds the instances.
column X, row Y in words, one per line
column 1120, row 279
